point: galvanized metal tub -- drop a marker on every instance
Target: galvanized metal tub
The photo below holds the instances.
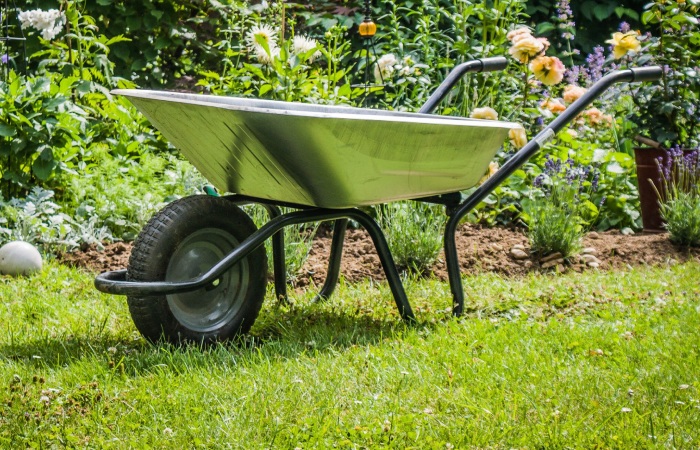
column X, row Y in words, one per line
column 320, row 155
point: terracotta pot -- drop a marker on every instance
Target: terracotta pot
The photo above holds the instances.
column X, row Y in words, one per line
column 647, row 177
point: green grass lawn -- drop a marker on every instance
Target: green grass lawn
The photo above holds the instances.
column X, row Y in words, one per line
column 598, row 360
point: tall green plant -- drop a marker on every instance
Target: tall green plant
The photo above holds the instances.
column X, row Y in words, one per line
column 39, row 128
column 560, row 211
column 679, row 195
column 413, row 233
column 440, row 34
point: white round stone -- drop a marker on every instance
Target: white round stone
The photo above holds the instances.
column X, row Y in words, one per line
column 19, row 258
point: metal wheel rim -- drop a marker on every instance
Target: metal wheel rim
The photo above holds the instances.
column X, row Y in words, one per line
column 211, row 307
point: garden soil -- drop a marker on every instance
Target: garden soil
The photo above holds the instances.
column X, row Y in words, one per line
column 480, row 250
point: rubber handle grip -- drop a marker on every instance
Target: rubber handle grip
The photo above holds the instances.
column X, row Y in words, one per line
column 493, row 64
column 652, row 73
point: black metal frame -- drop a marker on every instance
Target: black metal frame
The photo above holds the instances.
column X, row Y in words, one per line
column 456, row 208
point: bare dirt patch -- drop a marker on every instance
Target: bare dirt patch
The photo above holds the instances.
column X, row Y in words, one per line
column 480, row 250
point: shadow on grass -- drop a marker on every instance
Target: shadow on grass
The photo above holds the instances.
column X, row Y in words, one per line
column 283, row 333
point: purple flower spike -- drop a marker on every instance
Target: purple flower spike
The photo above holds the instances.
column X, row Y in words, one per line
column 595, row 62
column 539, row 180
column 4, row 58
column 595, row 181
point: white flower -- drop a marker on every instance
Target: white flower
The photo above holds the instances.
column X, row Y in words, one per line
column 385, row 66
column 303, row 44
column 49, row 23
column 257, row 38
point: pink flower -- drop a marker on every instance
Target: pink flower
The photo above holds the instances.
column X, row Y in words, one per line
column 548, row 69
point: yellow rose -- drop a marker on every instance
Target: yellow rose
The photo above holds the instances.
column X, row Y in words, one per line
column 623, row 43
column 526, row 48
column 548, row 69
column 518, row 137
column 484, row 113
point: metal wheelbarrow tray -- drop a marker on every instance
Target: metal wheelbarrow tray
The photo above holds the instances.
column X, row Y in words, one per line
column 198, row 269
column 327, row 156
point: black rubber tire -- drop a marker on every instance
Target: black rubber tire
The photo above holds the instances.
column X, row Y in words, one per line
column 182, row 223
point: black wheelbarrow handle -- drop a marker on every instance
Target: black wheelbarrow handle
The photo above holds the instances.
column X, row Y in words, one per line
column 477, row 65
column 639, row 74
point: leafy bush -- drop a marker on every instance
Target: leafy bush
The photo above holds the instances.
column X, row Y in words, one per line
column 40, row 129
column 413, row 233
column 560, row 211
column 125, row 192
column 575, row 27
column 37, row 219
column 679, row 195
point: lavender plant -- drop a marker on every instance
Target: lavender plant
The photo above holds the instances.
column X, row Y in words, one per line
column 560, row 209
column 679, row 195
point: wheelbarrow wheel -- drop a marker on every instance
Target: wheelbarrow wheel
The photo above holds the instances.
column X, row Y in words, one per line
column 182, row 241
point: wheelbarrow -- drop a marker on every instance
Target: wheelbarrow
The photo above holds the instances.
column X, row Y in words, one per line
column 198, row 269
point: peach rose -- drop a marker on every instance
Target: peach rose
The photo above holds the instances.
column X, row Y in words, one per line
column 526, row 48
column 573, row 93
column 517, row 137
column 554, row 105
column 484, row 113
column 493, row 168
column 596, row 116
column 519, row 33
column 548, row 69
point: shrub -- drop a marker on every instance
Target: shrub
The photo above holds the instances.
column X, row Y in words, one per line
column 560, row 211
column 413, row 233
column 679, row 195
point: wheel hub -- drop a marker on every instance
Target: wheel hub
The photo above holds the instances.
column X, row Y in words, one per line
column 213, row 306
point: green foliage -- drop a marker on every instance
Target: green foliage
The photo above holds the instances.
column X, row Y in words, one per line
column 123, row 191
column 438, row 35
column 592, row 19
column 40, row 130
column 37, row 219
column 667, row 111
column 679, row 196
column 682, row 217
column 560, row 211
column 164, row 42
column 413, row 231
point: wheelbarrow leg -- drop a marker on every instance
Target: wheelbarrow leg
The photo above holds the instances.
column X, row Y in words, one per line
column 278, row 261
column 452, row 262
column 334, row 260
column 392, row 273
